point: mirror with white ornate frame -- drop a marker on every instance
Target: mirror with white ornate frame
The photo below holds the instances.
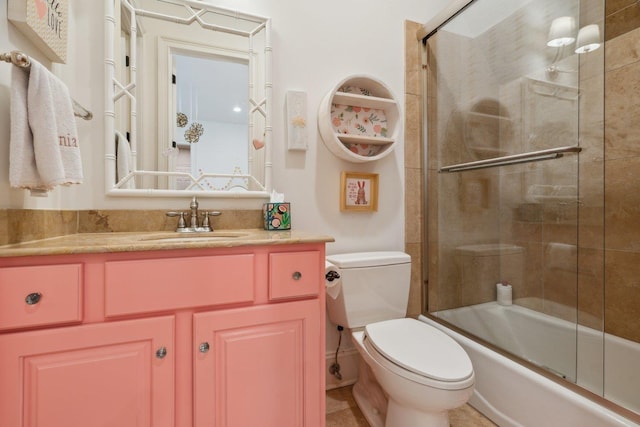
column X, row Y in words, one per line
column 188, row 100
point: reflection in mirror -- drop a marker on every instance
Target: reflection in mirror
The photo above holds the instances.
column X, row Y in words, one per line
column 211, row 128
column 188, row 100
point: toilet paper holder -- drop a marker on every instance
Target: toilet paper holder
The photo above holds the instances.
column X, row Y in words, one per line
column 332, row 275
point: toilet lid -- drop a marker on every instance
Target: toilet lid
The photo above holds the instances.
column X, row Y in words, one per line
column 420, row 348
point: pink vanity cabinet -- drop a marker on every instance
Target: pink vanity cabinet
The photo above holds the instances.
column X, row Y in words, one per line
column 189, row 337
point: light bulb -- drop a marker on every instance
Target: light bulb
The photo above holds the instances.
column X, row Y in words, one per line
column 562, row 32
column 588, row 39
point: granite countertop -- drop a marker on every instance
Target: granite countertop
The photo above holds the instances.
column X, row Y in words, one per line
column 153, row 241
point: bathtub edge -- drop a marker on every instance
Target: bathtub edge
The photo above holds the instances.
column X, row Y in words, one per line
column 574, row 408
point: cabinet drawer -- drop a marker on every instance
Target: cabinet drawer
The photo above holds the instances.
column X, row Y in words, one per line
column 40, row 295
column 143, row 286
column 294, row 274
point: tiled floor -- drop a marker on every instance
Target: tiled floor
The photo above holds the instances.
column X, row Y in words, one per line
column 342, row 411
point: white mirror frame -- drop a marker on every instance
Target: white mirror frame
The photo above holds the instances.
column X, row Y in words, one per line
column 115, row 90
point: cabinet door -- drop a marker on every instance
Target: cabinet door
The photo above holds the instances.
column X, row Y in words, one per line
column 109, row 374
column 262, row 366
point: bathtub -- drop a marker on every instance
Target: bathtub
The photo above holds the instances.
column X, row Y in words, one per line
column 512, row 395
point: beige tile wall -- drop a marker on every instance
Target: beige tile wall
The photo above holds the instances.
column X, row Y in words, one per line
column 622, row 16
column 608, row 234
column 413, row 172
column 19, row 225
column 622, row 177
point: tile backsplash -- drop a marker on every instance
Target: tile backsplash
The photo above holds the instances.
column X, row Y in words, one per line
column 21, row 225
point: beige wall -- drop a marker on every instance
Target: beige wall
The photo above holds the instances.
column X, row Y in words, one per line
column 413, row 154
column 622, row 170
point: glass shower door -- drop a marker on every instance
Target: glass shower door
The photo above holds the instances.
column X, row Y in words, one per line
column 505, row 131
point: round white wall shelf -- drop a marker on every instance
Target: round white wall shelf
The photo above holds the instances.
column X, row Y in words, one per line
column 359, row 119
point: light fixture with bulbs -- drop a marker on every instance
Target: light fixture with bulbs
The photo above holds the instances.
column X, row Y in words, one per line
column 562, row 33
column 588, row 39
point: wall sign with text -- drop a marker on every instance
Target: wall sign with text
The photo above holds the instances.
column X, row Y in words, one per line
column 45, row 23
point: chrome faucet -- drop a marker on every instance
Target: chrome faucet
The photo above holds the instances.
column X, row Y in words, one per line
column 194, row 213
column 193, row 227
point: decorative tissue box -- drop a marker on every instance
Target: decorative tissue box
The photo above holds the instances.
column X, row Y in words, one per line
column 277, row 216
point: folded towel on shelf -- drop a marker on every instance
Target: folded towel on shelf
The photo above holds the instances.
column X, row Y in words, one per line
column 44, row 150
column 123, row 160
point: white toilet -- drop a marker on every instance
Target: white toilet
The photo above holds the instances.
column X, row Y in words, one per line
column 413, row 373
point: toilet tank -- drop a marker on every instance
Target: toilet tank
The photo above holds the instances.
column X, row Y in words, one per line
column 374, row 286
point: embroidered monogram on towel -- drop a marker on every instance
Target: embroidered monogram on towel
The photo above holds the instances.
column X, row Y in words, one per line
column 67, row 141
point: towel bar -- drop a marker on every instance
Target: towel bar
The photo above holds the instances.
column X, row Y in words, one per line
column 534, row 156
column 21, row 60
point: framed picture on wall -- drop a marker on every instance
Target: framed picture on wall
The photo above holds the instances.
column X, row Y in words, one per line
column 44, row 23
column 359, row 192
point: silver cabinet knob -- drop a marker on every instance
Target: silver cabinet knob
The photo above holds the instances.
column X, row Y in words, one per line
column 297, row 275
column 204, row 347
column 161, row 352
column 33, row 298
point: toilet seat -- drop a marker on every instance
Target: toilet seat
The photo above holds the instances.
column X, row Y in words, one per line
column 419, row 352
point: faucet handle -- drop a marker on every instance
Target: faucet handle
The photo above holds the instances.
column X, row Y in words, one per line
column 205, row 222
column 181, row 221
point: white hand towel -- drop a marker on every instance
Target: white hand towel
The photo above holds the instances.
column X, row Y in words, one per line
column 23, row 172
column 49, row 154
column 123, row 159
